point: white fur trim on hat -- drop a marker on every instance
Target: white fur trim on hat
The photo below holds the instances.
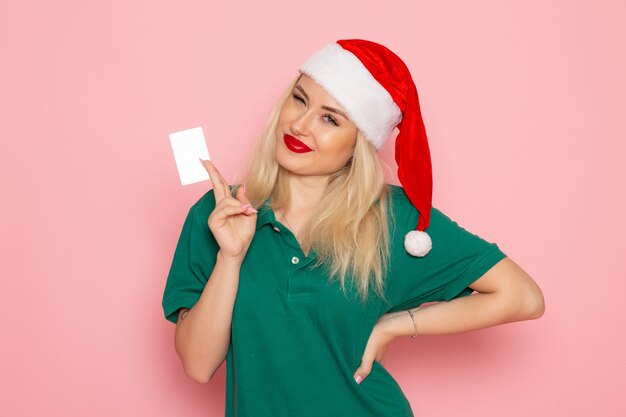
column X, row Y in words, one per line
column 417, row 243
column 368, row 104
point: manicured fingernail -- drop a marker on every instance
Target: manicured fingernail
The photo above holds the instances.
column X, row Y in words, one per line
column 244, row 187
column 249, row 208
column 358, row 379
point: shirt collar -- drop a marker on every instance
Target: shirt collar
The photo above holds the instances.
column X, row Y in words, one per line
column 265, row 215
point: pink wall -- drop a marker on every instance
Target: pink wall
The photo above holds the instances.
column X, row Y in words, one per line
column 524, row 104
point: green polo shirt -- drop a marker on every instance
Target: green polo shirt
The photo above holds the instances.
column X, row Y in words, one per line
column 296, row 339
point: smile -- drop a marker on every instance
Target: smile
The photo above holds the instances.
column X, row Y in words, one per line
column 295, row 145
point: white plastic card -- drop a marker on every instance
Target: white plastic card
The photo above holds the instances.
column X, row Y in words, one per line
column 188, row 146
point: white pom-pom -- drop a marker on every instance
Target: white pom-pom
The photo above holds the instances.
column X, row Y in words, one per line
column 417, row 243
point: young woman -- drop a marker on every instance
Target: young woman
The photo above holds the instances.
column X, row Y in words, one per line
column 302, row 276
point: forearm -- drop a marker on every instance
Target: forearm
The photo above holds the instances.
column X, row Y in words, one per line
column 506, row 293
column 203, row 335
column 459, row 315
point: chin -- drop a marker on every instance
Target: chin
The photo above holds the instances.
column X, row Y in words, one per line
column 290, row 167
column 286, row 159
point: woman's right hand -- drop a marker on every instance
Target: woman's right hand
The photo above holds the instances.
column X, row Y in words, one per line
column 233, row 220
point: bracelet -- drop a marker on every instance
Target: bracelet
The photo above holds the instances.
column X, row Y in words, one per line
column 414, row 325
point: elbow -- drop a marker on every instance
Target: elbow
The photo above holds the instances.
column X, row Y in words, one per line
column 534, row 305
column 522, row 302
column 198, row 375
column 537, row 307
column 197, row 369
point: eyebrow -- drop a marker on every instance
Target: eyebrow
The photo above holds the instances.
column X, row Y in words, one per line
column 339, row 112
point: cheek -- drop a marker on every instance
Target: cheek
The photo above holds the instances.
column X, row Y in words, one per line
column 340, row 145
column 336, row 154
column 287, row 113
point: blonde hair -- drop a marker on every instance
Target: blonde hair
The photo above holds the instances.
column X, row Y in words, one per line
column 348, row 231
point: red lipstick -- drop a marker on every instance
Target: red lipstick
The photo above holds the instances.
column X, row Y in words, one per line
column 295, row 145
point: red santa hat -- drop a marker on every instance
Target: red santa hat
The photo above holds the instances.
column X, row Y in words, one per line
column 376, row 89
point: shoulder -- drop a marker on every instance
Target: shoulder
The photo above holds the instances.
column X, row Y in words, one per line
column 205, row 202
column 202, row 206
column 398, row 203
column 400, row 214
column 399, row 199
column 403, row 211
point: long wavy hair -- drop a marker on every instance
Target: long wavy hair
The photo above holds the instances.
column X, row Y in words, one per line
column 349, row 229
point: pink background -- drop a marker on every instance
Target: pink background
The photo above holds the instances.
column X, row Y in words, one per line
column 524, row 105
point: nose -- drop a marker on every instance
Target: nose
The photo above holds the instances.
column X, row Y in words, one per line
column 301, row 124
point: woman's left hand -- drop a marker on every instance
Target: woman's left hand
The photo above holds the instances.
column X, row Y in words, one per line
column 377, row 343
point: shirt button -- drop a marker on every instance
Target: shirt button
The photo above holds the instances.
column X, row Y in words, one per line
column 277, row 229
column 295, row 260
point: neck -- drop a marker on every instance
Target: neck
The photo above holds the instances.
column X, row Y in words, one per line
column 306, row 191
